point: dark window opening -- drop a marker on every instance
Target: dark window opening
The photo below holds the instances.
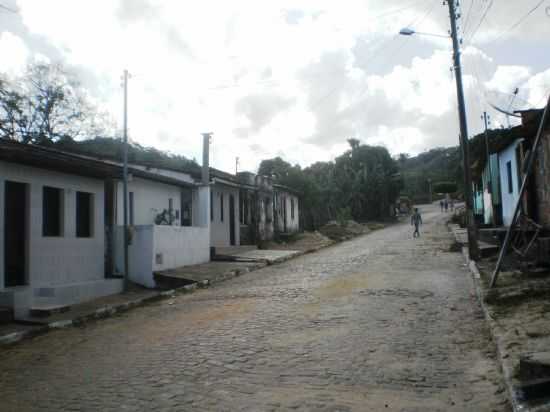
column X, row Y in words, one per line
column 509, row 175
column 52, row 211
column 221, row 207
column 211, row 206
column 84, row 214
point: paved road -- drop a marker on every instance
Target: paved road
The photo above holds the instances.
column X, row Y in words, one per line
column 382, row 322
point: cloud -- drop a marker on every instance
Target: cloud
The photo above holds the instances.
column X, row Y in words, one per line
column 259, row 110
column 296, row 77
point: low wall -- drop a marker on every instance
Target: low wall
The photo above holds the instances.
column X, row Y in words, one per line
column 176, row 246
column 156, row 248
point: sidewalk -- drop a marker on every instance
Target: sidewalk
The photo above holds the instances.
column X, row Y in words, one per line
column 181, row 280
column 518, row 312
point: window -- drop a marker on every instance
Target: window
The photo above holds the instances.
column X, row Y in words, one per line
column 211, row 206
column 84, row 207
column 509, row 175
column 221, row 207
column 131, row 207
column 292, row 209
column 52, row 211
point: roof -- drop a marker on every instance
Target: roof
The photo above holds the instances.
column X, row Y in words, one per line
column 71, row 163
column 287, row 189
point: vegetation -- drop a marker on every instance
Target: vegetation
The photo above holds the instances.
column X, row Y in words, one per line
column 47, row 103
column 362, row 183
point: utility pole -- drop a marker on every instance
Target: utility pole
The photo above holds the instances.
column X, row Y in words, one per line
column 125, row 179
column 236, row 165
column 430, row 190
column 472, row 239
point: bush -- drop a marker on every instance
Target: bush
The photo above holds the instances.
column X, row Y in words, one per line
column 343, row 215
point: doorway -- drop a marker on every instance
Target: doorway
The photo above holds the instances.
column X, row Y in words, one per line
column 15, row 233
column 232, row 220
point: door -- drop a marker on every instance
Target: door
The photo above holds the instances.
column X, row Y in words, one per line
column 232, row 220
column 15, row 233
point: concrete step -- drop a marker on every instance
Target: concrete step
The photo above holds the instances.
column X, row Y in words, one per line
column 534, row 365
column 45, row 311
column 6, row 315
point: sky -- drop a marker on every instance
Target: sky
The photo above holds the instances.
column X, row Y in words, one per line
column 289, row 78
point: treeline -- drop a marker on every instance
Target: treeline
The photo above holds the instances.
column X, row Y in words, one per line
column 47, row 105
column 361, row 184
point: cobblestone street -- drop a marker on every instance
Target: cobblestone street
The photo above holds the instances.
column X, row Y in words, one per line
column 381, row 322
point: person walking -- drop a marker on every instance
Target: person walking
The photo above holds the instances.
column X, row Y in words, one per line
column 441, row 204
column 416, row 221
column 446, row 205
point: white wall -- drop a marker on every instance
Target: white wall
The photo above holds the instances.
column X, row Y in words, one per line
column 140, row 254
column 176, row 246
column 150, row 199
column 219, row 231
column 508, row 199
column 156, row 248
column 57, row 260
column 284, row 199
column 292, row 222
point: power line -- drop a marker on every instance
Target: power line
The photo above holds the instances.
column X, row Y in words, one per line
column 418, row 19
column 521, row 20
column 480, row 21
column 467, row 20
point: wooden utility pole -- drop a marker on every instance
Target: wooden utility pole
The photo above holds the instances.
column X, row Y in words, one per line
column 472, row 233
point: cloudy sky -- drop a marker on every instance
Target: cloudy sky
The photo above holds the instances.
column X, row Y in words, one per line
column 289, row 78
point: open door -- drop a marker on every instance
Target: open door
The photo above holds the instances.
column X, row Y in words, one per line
column 232, row 220
column 15, row 234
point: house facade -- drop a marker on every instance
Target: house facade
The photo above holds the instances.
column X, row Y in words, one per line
column 62, row 223
column 286, row 210
column 53, row 242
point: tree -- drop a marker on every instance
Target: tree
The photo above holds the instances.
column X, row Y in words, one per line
column 46, row 104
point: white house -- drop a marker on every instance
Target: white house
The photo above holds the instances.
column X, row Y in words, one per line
column 224, row 209
column 167, row 214
column 52, row 231
column 286, row 208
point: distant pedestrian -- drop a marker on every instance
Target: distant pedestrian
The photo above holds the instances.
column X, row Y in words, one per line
column 416, row 221
column 441, row 204
column 446, row 205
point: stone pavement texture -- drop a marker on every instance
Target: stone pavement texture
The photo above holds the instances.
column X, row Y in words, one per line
column 382, row 322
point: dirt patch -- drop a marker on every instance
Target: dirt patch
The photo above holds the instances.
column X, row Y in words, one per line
column 336, row 231
column 305, row 241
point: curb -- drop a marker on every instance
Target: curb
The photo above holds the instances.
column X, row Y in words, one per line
column 111, row 310
column 507, row 372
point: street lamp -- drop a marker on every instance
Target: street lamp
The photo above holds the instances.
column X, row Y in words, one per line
column 472, row 240
column 407, row 31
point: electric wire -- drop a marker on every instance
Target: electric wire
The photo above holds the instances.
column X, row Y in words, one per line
column 520, row 21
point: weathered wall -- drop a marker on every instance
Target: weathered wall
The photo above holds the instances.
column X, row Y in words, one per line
column 219, row 230
column 283, row 210
column 542, row 180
